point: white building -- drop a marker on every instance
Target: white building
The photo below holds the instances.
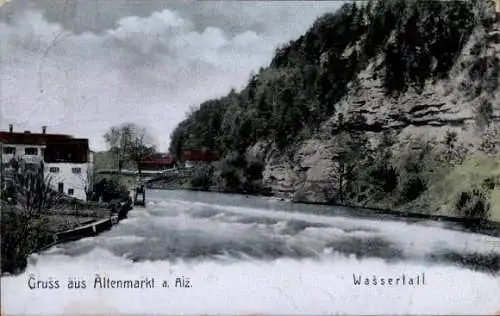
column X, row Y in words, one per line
column 68, row 161
column 71, row 178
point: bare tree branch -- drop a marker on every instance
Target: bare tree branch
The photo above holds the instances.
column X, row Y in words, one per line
column 130, row 143
column 29, row 195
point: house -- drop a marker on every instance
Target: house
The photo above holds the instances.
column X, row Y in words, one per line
column 67, row 159
column 69, row 163
column 28, row 146
column 157, row 164
column 197, row 157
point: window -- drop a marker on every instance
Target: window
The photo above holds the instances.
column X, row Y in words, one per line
column 60, row 187
column 71, row 191
column 54, row 169
column 32, row 151
column 76, row 170
column 9, row 150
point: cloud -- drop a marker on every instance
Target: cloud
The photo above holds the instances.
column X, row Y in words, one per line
column 146, row 68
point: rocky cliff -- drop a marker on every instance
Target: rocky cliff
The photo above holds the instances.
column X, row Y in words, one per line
column 440, row 107
column 374, row 106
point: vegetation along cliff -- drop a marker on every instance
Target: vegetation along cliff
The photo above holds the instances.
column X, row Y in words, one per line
column 389, row 104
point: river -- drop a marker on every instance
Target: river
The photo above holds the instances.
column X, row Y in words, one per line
column 247, row 255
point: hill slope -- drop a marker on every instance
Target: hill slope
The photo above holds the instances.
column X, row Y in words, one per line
column 377, row 105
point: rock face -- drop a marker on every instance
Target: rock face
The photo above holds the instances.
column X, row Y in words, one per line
column 378, row 105
column 446, row 105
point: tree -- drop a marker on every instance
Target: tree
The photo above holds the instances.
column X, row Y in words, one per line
column 130, row 143
column 29, row 196
column 86, row 182
column 113, row 139
column 350, row 147
column 454, row 151
column 490, row 141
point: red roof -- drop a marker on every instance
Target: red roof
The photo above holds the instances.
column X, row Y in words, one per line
column 31, row 138
column 200, row 155
column 159, row 161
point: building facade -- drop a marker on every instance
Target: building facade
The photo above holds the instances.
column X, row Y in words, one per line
column 198, row 157
column 157, row 164
column 68, row 161
column 69, row 164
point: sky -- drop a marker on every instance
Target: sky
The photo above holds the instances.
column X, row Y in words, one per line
column 80, row 67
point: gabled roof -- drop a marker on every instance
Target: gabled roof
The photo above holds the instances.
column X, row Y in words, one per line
column 31, row 138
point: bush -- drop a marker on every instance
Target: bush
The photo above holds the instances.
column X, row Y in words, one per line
column 412, row 188
column 419, row 165
column 110, row 189
column 20, row 237
column 231, row 178
column 470, row 189
column 473, row 204
column 385, row 177
column 202, row 178
column 23, row 229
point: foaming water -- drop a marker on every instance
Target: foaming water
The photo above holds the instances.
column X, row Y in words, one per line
column 245, row 255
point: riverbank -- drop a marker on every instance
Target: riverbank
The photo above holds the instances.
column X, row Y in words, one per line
column 21, row 238
column 476, row 225
column 67, row 227
column 487, row 227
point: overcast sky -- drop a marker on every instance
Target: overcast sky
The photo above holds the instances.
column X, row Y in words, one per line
column 82, row 66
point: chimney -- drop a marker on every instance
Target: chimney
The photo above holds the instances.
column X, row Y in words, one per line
column 44, row 129
column 11, row 128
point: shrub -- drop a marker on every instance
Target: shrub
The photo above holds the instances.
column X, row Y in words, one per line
column 23, row 229
column 473, row 204
column 231, row 178
column 110, row 189
column 202, row 178
column 485, row 112
column 385, row 177
column 418, row 166
column 470, row 189
column 412, row 188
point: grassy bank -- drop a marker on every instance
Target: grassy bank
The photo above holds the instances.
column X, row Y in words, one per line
column 470, row 190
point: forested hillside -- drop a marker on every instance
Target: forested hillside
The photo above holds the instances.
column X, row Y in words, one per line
column 367, row 108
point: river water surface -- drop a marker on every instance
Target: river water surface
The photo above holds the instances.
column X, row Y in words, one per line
column 248, row 255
